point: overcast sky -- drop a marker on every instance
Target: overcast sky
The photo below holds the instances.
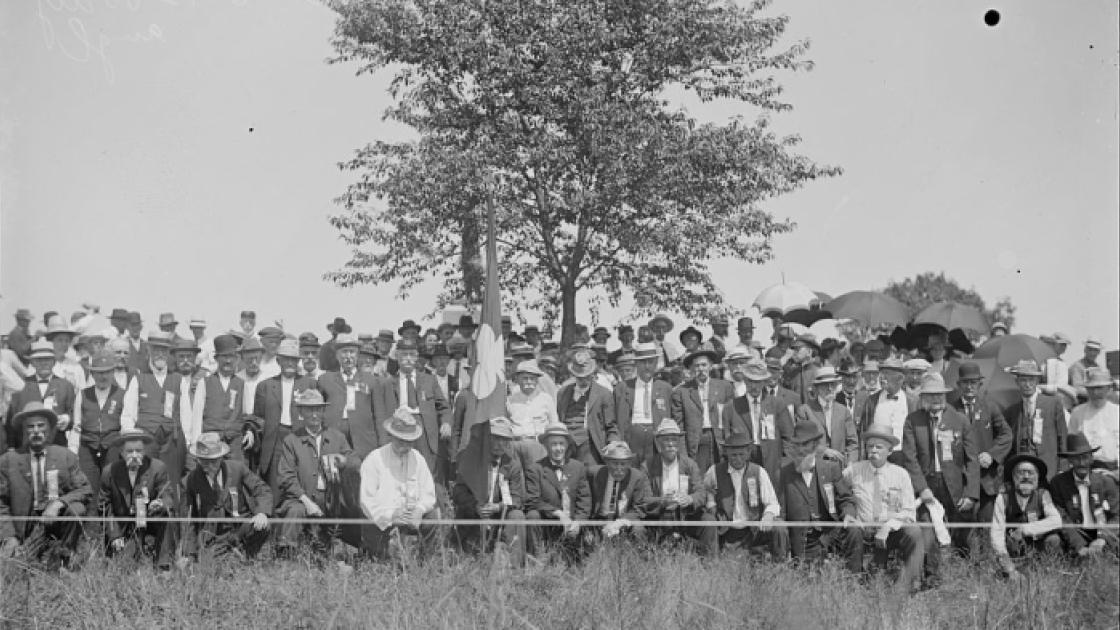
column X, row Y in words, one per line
column 181, row 156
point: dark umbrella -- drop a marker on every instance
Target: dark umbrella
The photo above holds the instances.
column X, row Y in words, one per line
column 870, row 308
column 806, row 316
column 998, row 354
column 950, row 315
column 916, row 336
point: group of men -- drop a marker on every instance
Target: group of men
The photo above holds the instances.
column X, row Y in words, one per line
column 725, row 436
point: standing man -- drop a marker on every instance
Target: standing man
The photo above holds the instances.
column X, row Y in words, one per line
column 669, row 351
column 327, row 358
column 587, row 409
column 205, row 345
column 834, row 419
column 224, row 399
column 891, row 405
column 990, row 435
column 1099, row 419
column 740, row 492
column 764, row 421
column 309, row 355
column 167, row 324
column 626, row 336
column 851, row 395
column 1037, row 420
column 270, row 338
column 642, row 403
column 418, row 393
column 439, row 362
column 698, row 405
column 350, row 398
column 744, row 329
column 55, row 393
column 19, row 339
column 802, row 366
column 1056, row 372
column 774, row 388
column 150, row 405
column 1078, row 372
column 274, row 403
column 719, row 340
column 99, row 416
column 530, row 412
column 137, row 347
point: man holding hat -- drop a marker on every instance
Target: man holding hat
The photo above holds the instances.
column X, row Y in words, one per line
column 1099, row 418
column 1085, row 497
column 46, row 387
column 556, row 488
column 350, row 398
column 1024, row 506
column 274, row 405
column 885, row 506
column 99, row 419
column 832, row 417
column 530, row 411
column 642, row 403
column 619, row 493
column 677, row 489
column 397, row 488
column 991, row 436
column 740, row 492
column 224, row 399
column 221, row 487
column 1037, row 420
column 1078, row 372
column 764, row 421
column 43, row 480
column 891, row 406
column 504, row 503
column 698, row 404
column 19, row 339
column 308, row 468
column 587, row 409
column 133, row 488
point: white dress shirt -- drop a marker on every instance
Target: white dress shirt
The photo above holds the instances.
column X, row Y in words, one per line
column 390, row 482
column 892, row 413
column 1101, row 427
column 286, row 387
column 643, row 403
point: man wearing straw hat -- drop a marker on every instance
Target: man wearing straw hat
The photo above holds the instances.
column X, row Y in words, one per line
column 309, row 461
column 44, row 480
column 397, row 489
column 1079, row 371
column 224, row 488
column 892, row 404
column 1037, row 420
column 740, row 493
column 44, row 386
column 677, row 489
column 587, row 409
column 619, row 493
column 1085, row 497
column 832, row 417
column 99, row 419
column 275, row 406
column 530, row 411
column 556, row 488
column 1025, row 508
column 765, row 422
column 668, row 350
column 642, row 403
column 133, row 488
column 1099, row 419
column 697, row 406
column 504, row 503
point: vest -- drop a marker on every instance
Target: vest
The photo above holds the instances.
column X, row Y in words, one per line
column 222, row 410
column 577, row 408
column 152, row 399
column 101, row 425
column 1014, row 514
column 725, row 492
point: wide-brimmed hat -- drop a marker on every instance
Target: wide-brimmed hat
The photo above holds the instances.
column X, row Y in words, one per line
column 773, row 364
column 645, row 350
column 582, row 363
column 808, row 339
column 186, row 344
column 1097, row 377
column 848, row 367
column 41, row 350
column 528, row 367
column 1026, row 367
column 555, row 429
column 892, row 364
column 521, row 349
column 668, row 426
column 288, row 348
column 737, row 352
column 1013, row 461
column 339, row 326
column 209, row 446
column 251, row 344
column 408, row 325
column 309, row 340
column 1078, row 444
column 826, row 374
column 159, row 339
column 662, row 317
column 369, row 349
column 737, row 440
column 916, row 365
column 756, row 370
column 806, row 431
column 618, row 450
column 225, row 344
column 168, row 319
column 691, row 330
column 601, row 330
column 57, row 327
column 466, row 321
column 933, row 384
column 969, row 371
column 501, row 427
column 32, row 409
column 870, row 365
column 346, row 340
column 626, row 358
column 1093, row 342
column 309, row 398
column 881, row 431
column 103, row 361
column 403, row 425
column 134, row 434
column 702, row 352
column 119, row 313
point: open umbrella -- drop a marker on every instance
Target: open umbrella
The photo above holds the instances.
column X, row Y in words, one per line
column 952, row 315
column 998, row 354
column 779, row 299
column 806, row 316
column 870, row 308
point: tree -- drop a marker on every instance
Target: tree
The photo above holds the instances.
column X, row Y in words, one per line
column 556, row 112
column 926, row 288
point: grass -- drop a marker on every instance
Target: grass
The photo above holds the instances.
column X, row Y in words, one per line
column 616, row 587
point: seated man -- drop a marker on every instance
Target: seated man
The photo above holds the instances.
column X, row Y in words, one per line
column 133, row 488
column 397, row 489
column 813, row 488
column 1024, row 504
column 1085, row 497
column 556, row 487
column 504, row 501
column 677, row 489
column 41, row 479
column 740, row 492
column 308, row 475
column 619, row 493
column 885, row 504
column 221, row 487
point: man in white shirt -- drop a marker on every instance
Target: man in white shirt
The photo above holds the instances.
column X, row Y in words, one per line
column 530, row 412
column 740, row 492
column 205, row 345
column 891, row 406
column 252, row 355
column 1099, row 419
column 397, row 490
column 1056, row 372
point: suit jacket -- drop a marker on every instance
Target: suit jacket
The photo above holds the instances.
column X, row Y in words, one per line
column 634, row 488
column 118, row 494
column 268, row 405
column 600, row 414
column 786, row 397
column 689, row 414
column 774, row 449
column 300, row 467
column 61, row 389
column 652, row 467
column 434, row 409
column 1063, row 491
column 660, row 400
column 199, row 499
column 991, row 435
column 921, row 446
column 1054, row 430
column 858, row 403
column 466, row 504
column 797, row 497
column 17, row 496
column 364, row 433
column 138, row 357
column 840, row 427
column 543, row 491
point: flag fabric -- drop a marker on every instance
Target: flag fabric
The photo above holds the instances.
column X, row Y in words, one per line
column 488, row 382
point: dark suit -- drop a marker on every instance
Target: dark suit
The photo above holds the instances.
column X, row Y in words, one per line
column 689, row 413
column 628, row 503
column 242, row 494
column 801, row 502
column 840, row 428
column 855, row 404
column 118, row 498
column 544, row 494
column 640, row 438
column 1054, row 430
column 268, row 406
column 991, row 435
column 138, row 354
column 771, row 448
column 359, row 426
column 1102, row 492
column 656, row 508
column 434, row 410
column 599, row 417
column 466, row 506
column 299, row 468
column 64, row 398
column 17, row 499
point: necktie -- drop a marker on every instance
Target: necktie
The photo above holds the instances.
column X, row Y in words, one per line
column 411, row 392
column 968, row 409
column 877, row 497
column 612, row 500
column 892, row 397
column 757, row 428
column 38, row 482
column 933, row 422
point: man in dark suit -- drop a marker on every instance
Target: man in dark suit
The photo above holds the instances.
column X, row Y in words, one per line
column 990, row 435
column 831, row 416
column 137, row 347
column 765, row 422
column 1085, row 497
column 619, row 494
column 587, row 409
column 349, row 395
column 1037, row 420
column 677, row 490
column 813, row 488
column 642, row 403
column 698, row 405
column 44, row 480
column 273, row 405
column 505, row 504
column 134, row 488
column 328, row 361
column 557, row 488
column 223, row 405
column 57, row 394
column 851, row 395
column 417, row 391
column 774, row 388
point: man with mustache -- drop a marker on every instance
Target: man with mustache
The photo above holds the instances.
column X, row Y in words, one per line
column 1085, row 497
column 53, row 391
column 133, row 488
column 1025, row 508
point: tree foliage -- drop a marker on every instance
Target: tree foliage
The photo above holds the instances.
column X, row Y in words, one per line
column 926, row 288
column 558, row 113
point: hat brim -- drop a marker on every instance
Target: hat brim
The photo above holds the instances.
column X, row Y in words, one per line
column 317, row 405
column 663, row 319
column 827, row 381
column 712, row 356
column 102, row 370
column 802, row 440
column 1086, row 451
column 1036, row 374
column 677, row 433
column 543, row 438
column 584, row 372
column 889, row 437
column 931, row 392
column 410, row 436
column 146, row 438
column 54, row 333
column 1015, row 460
column 19, row 418
column 222, row 452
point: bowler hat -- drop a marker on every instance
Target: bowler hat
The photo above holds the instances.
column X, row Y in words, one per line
column 745, row 323
column 806, row 431
column 339, row 326
column 32, row 409
column 118, row 313
column 554, row 429
column 737, row 440
column 225, row 344
column 466, row 321
column 408, row 325
column 167, row 319
column 134, row 317
column 403, row 425
column 969, row 371
column 209, row 446
column 1011, row 462
column 1078, row 444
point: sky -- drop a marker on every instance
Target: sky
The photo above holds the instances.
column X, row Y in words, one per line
column 181, row 155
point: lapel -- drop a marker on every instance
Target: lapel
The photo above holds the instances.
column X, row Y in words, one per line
column 632, row 391
column 655, row 474
column 799, row 483
column 694, row 392
column 119, row 473
column 742, row 406
column 23, row 463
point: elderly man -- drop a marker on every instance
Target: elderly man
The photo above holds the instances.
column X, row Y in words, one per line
column 1079, row 372
column 740, row 492
column 1099, row 419
column 397, row 489
column 915, row 369
column 677, row 490
column 223, row 400
column 556, row 488
column 1037, row 420
column 252, row 358
column 350, row 398
column 56, row 393
column 851, row 395
column 44, row 480
column 185, row 407
column 1024, row 506
column 417, row 392
column 1085, row 497
column 869, row 382
column 885, row 506
column 530, row 411
column 765, row 422
column 134, row 488
column 698, row 404
column 307, row 471
column 167, row 324
column 274, row 405
column 587, row 409
column 669, row 351
column 440, row 360
column 223, row 488
column 619, row 494
column 145, row 392
column 813, row 489
column 205, row 344
column 99, row 419
column 66, row 364
column 832, row 417
column 891, row 405
column 309, row 355
column 504, row 503
column 641, row 404
column 626, row 337
column 328, row 360
column 774, row 388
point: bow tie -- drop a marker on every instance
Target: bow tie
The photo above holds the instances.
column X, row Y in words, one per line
column 44, row 380
column 894, row 397
column 555, row 466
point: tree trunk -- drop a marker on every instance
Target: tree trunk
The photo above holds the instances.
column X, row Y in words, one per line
column 469, row 258
column 568, row 293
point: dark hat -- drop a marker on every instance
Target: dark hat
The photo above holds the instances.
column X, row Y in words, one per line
column 103, row 361
column 774, row 364
column 248, row 314
column 874, row 345
column 625, row 328
column 806, row 431
column 718, row 319
column 186, row 344
column 1077, row 444
column 309, row 340
column 271, row 331
column 23, row 315
column 737, row 440
column 531, row 328
column 167, row 319
column 521, row 350
column 702, row 352
column 339, row 326
column 119, row 313
column 408, row 325
column 969, row 371
column 134, row 317
column 134, row 434
column 1011, row 462
column 32, row 409
column 225, row 344
column 848, row 367
column 159, row 339
column 466, row 321
column 691, row 330
column 745, row 322
column 506, row 319
column 601, row 330
column 439, row 350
